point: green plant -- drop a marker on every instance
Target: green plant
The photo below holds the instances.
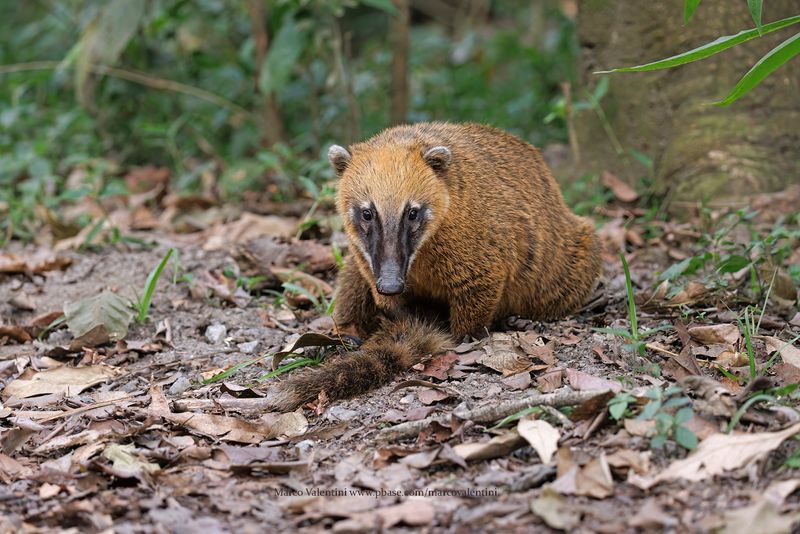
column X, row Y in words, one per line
column 670, row 410
column 763, row 68
column 142, row 304
column 619, row 404
column 635, row 337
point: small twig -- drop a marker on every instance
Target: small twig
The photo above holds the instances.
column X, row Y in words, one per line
column 656, row 348
column 260, row 404
column 86, row 408
column 490, row 412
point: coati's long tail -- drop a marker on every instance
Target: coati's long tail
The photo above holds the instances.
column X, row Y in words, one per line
column 394, row 347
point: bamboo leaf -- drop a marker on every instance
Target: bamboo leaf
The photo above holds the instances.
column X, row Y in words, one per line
column 688, row 9
column 708, row 49
column 755, row 12
column 765, row 66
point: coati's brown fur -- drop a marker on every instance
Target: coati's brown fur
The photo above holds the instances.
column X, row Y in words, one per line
column 496, row 240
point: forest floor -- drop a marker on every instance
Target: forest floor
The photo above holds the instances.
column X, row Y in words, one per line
column 112, row 424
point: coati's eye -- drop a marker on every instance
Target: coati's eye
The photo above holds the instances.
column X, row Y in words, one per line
column 412, row 215
column 366, row 215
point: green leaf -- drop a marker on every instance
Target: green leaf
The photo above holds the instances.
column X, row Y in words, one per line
column 383, row 5
column 650, row 410
column 658, row 441
column 282, row 56
column 708, row 49
column 688, row 9
column 765, row 66
column 150, row 286
column 684, row 415
column 685, row 438
column 733, row 263
column 755, row 12
column 617, row 409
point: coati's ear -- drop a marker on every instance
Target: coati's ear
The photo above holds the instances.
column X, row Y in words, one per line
column 339, row 158
column 438, row 158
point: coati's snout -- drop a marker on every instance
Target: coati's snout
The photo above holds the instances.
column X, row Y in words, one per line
column 390, row 205
column 388, row 239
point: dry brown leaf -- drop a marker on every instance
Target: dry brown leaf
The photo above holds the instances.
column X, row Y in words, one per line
column 779, row 490
column 715, row 334
column 724, row 452
column 67, row 381
column 651, row 517
column 429, row 395
column 555, row 511
column 438, row 366
column 550, row 381
column 247, row 227
column 520, row 381
column 626, row 458
column 691, row 293
column 790, row 354
column 594, row 479
column 229, row 428
column 762, row 516
column 541, row 435
column 503, row 354
column 580, row 381
column 494, row 448
column 622, row 191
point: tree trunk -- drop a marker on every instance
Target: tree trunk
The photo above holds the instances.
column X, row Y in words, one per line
column 400, row 26
column 701, row 152
column 272, row 128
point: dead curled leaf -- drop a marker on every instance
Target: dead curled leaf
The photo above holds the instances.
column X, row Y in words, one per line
column 230, row 428
column 622, row 191
column 541, row 435
column 789, row 353
column 494, row 448
column 723, row 452
column 715, row 334
column 64, row 380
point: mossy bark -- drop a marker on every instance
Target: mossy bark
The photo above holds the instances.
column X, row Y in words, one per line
column 701, row 152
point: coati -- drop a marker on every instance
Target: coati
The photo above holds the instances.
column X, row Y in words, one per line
column 460, row 223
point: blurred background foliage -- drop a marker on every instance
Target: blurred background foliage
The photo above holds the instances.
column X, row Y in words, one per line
column 242, row 97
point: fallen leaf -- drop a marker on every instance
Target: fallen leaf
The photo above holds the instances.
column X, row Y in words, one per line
column 438, row 366
column 713, row 334
column 621, row 190
column 98, row 319
column 541, row 436
column 594, row 479
column 581, row 381
column 64, row 380
column 496, row 447
column 555, row 511
column 724, row 452
column 779, row 490
column 429, row 396
column 520, row 381
column 247, row 227
column 550, row 380
column 127, row 464
column 651, row 516
column 762, row 516
column 790, row 354
column 629, row 459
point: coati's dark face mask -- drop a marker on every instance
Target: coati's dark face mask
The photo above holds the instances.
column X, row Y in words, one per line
column 389, row 241
column 391, row 199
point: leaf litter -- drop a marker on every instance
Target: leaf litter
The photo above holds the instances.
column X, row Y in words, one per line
column 128, row 404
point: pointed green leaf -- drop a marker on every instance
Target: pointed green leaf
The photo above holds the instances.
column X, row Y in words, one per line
column 282, row 56
column 755, row 12
column 708, row 49
column 765, row 66
column 688, row 9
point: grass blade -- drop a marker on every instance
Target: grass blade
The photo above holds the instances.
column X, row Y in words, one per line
column 689, row 7
column 708, row 49
column 150, row 286
column 755, row 12
column 765, row 66
column 631, row 302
